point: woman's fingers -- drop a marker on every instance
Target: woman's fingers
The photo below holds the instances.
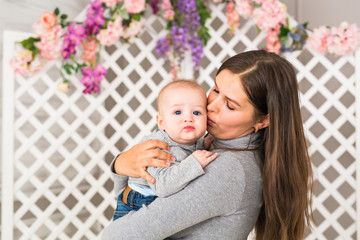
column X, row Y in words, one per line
column 153, row 162
column 157, row 153
column 145, row 175
column 154, row 143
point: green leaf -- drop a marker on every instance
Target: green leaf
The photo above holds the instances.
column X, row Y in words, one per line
column 169, row 24
column 56, row 11
column 79, row 66
column 69, row 68
column 63, row 16
column 124, row 14
column 256, row 5
column 136, row 17
column 68, row 71
column 284, row 31
column 35, row 52
column 29, row 43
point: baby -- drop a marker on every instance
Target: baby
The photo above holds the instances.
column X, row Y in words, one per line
column 181, row 124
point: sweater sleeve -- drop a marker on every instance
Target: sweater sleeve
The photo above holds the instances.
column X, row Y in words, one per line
column 174, row 178
column 120, row 181
column 219, row 191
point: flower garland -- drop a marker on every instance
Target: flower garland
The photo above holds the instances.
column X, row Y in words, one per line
column 78, row 44
column 271, row 16
column 107, row 21
column 186, row 24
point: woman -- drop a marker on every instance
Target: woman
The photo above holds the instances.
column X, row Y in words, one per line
column 262, row 176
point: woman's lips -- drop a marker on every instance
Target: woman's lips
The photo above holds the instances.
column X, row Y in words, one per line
column 210, row 122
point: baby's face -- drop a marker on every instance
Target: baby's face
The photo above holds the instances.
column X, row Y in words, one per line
column 182, row 114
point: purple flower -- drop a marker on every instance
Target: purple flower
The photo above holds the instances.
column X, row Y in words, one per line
column 94, row 18
column 72, row 38
column 154, row 6
column 184, row 34
column 162, row 47
column 92, row 78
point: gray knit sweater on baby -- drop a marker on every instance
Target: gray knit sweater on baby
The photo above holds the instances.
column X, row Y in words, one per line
column 182, row 171
column 223, row 203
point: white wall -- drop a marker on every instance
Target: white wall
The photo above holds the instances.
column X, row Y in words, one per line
column 324, row 12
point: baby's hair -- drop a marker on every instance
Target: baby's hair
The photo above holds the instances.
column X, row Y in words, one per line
column 190, row 83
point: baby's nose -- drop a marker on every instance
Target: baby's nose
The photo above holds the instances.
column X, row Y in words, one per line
column 189, row 118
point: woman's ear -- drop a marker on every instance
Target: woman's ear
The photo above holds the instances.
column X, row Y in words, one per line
column 263, row 123
column 160, row 121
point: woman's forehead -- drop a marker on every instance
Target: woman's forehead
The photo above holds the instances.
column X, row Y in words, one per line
column 229, row 85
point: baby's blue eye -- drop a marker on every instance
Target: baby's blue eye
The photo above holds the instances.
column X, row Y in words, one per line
column 177, row 112
column 196, row 113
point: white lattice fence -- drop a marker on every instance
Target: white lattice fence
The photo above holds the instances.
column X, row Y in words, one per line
column 57, row 147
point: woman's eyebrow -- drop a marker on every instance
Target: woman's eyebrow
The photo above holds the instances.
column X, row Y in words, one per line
column 231, row 100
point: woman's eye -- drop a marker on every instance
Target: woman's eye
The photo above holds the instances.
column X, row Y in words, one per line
column 177, row 112
column 230, row 108
column 197, row 113
column 215, row 90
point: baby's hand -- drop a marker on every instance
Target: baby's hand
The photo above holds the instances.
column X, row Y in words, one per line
column 204, row 157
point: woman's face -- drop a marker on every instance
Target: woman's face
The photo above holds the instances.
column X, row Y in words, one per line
column 230, row 113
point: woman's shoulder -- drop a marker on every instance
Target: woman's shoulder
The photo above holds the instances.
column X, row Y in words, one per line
column 241, row 164
column 238, row 175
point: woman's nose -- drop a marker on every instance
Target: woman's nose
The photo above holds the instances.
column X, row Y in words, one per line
column 212, row 104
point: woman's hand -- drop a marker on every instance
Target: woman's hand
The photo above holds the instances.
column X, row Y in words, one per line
column 134, row 161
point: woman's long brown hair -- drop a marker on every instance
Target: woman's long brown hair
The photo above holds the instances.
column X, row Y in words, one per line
column 270, row 84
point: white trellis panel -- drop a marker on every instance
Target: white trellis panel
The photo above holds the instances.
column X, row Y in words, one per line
column 57, row 146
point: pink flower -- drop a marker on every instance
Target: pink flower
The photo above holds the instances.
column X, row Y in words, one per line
column 90, row 48
column 133, row 29
column 244, row 7
column 169, row 14
column 343, row 40
column 50, row 43
column 233, row 17
column 166, row 5
column 168, row 10
column 24, row 64
column 46, row 22
column 271, row 14
column 272, row 39
column 110, row 3
column 318, row 40
column 174, row 73
column 112, row 33
column 48, row 19
column 134, row 6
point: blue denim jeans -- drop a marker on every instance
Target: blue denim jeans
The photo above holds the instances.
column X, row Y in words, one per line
column 135, row 201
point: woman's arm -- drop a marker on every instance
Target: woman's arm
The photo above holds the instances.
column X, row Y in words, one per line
column 133, row 162
column 219, row 191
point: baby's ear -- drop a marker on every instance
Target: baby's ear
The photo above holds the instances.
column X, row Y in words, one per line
column 160, row 121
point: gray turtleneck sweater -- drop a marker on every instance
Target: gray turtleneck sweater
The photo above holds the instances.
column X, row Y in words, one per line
column 223, row 203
